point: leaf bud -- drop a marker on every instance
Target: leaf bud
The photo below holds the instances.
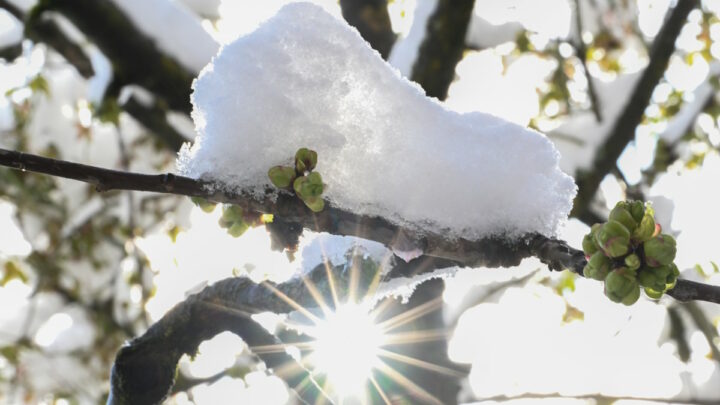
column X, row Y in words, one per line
column 613, row 238
column 660, row 250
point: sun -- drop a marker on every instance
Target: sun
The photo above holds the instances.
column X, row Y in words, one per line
column 346, row 348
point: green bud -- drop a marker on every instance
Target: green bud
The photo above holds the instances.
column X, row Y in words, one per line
column 589, row 245
column 620, row 286
column 237, row 229
column 648, row 277
column 232, row 212
column 632, row 261
column 637, row 210
column 230, row 215
column 653, row 293
column 305, row 160
column 622, row 215
column 660, row 250
column 316, row 204
column 613, row 238
column 281, row 176
column 203, row 204
column 633, row 296
column 598, row 267
column 646, row 229
column 671, row 278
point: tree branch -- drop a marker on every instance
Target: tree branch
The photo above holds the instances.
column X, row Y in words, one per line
column 495, row 251
column 144, row 369
column 47, row 31
column 154, row 118
column 443, row 46
column 581, row 52
column 12, row 9
column 118, row 38
column 44, row 30
column 624, row 129
column 372, row 20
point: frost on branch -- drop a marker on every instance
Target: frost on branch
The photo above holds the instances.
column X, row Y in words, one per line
column 307, row 79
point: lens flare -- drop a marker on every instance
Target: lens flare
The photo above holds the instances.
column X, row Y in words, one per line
column 346, row 347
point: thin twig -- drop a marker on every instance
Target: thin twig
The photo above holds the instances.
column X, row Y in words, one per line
column 581, row 52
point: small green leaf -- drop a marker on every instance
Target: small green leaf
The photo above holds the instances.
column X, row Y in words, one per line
column 298, row 184
column 316, row 204
column 12, row 272
column 109, row 111
column 312, row 187
column 237, row 229
column 231, row 214
column 39, row 84
column 281, row 176
column 203, row 204
column 305, row 160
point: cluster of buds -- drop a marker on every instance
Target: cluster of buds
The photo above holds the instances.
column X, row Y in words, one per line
column 628, row 252
column 237, row 221
column 307, row 184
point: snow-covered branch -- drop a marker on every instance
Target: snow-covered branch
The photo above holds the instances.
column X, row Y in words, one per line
column 437, row 249
column 40, row 29
column 121, row 42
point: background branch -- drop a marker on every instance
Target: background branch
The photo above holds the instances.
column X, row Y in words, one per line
column 144, row 369
column 372, row 20
column 581, row 52
column 47, row 31
column 443, row 46
column 118, row 39
column 624, row 128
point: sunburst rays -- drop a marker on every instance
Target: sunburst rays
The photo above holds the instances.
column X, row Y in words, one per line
column 363, row 339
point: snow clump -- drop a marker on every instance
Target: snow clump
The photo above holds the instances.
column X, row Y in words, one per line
column 307, row 79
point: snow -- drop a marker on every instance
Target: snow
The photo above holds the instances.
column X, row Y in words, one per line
column 174, row 28
column 404, row 52
column 306, row 79
column 483, row 34
column 10, row 30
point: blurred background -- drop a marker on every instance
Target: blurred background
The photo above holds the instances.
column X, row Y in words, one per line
column 628, row 90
